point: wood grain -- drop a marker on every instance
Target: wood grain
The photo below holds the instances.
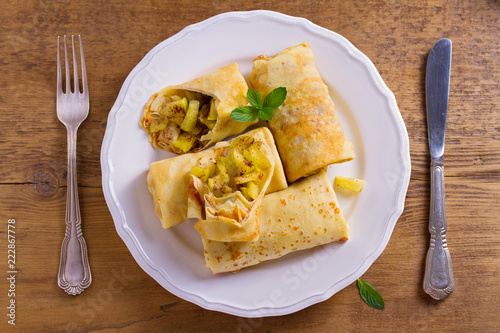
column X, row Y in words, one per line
column 395, row 35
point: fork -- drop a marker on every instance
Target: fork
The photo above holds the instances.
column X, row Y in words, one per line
column 72, row 109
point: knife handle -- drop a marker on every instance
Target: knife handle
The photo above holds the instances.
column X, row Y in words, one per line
column 438, row 279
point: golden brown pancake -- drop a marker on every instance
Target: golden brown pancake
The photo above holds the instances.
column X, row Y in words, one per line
column 306, row 126
column 302, row 216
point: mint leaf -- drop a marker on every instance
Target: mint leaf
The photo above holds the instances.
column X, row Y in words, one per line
column 254, row 98
column 245, row 114
column 371, row 296
column 275, row 98
column 266, row 114
column 257, row 109
column 268, row 110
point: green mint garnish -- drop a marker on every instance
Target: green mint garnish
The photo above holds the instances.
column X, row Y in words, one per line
column 254, row 99
column 371, row 296
column 245, row 114
column 257, row 108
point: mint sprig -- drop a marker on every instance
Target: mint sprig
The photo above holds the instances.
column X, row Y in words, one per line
column 257, row 108
column 371, row 296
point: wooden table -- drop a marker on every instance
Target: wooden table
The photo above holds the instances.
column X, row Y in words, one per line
column 396, row 36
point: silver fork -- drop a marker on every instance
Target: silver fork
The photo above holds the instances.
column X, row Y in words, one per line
column 72, row 109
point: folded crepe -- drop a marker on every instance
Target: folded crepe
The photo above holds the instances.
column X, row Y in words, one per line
column 226, row 191
column 193, row 115
column 306, row 127
column 304, row 215
column 168, row 180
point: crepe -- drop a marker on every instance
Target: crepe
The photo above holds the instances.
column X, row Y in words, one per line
column 226, row 192
column 193, row 115
column 306, row 127
column 168, row 180
column 304, row 215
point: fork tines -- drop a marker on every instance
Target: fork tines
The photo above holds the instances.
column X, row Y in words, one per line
column 76, row 88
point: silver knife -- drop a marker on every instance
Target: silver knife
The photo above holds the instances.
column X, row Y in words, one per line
column 438, row 278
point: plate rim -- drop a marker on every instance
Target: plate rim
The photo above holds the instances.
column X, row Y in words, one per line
column 141, row 257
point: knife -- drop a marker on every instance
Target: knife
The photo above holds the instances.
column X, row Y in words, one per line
column 438, row 278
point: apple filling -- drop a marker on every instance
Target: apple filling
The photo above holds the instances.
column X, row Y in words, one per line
column 177, row 119
column 243, row 167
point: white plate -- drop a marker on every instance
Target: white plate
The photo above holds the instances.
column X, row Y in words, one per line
column 370, row 118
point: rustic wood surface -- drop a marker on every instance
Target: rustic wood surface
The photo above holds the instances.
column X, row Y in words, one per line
column 395, row 35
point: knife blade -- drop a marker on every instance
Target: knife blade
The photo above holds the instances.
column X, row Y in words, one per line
column 438, row 278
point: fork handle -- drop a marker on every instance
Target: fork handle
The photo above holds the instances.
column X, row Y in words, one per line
column 74, row 269
column 438, row 278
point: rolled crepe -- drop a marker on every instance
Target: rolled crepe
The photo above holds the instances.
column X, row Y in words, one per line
column 226, row 191
column 304, row 215
column 168, row 180
column 306, row 127
column 177, row 124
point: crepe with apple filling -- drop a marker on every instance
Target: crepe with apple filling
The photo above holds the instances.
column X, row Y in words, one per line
column 193, row 115
column 168, row 179
column 304, row 215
